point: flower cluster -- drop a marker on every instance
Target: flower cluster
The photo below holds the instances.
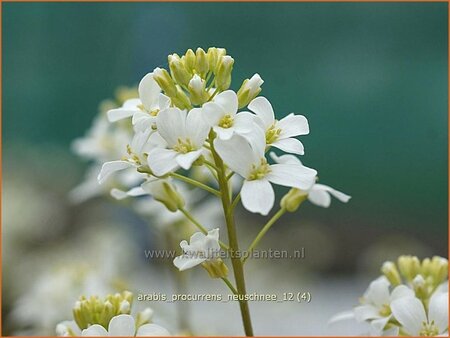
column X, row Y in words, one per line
column 109, row 317
column 409, row 299
column 188, row 117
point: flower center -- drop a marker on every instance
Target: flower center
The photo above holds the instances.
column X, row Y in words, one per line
column 133, row 156
column 259, row 171
column 226, row 121
column 154, row 112
column 385, row 310
column 272, row 134
column 429, row 329
column 183, row 146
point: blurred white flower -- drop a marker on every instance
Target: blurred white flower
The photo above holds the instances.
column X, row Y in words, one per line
column 416, row 321
column 249, row 162
column 200, row 248
column 280, row 134
column 125, row 326
column 184, row 133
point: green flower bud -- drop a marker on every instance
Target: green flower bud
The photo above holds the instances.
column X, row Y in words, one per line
column 436, row 268
column 165, row 82
column 189, row 60
column 390, row 271
column 223, row 73
column 201, row 62
column 178, row 71
column 409, row 267
column 214, row 55
column 216, row 268
column 181, row 100
column 292, row 200
column 165, row 192
column 249, row 90
column 197, row 91
column 420, row 287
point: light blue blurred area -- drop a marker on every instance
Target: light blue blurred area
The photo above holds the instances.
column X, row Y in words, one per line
column 370, row 77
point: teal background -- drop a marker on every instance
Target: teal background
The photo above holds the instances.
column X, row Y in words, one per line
column 370, row 77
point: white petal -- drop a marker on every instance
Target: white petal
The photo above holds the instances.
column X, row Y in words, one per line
column 293, row 125
column 341, row 316
column 292, row 175
column 400, row 292
column 212, row 113
column 391, row 332
column 335, row 193
column 285, row 159
column 239, row 161
column 94, row 331
column 410, row 313
column 185, row 262
column 196, row 127
column 378, row 292
column 365, row 312
column 244, row 122
column 149, row 92
column 319, row 197
column 377, row 326
column 289, row 145
column 171, row 124
column 152, row 330
column 121, row 326
column 262, row 107
column 224, row 133
column 185, row 160
column 111, row 167
column 228, row 101
column 258, row 196
column 438, row 310
column 162, row 161
column 163, row 101
column 134, row 192
column 120, row 114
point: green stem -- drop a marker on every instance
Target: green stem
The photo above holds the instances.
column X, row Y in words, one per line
column 263, row 232
column 233, row 241
column 236, row 201
column 201, row 227
column 230, row 286
column 196, row 184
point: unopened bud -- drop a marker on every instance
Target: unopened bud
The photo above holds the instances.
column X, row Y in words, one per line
column 181, row 100
column 189, row 60
column 292, row 200
column 198, row 94
column 216, row 268
column 201, row 62
column 165, row 82
column 178, row 71
column 249, row 90
column 223, row 73
column 390, row 271
column 214, row 55
column 409, row 267
column 164, row 192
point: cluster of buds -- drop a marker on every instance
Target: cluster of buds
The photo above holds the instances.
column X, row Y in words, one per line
column 195, row 77
column 93, row 310
column 424, row 276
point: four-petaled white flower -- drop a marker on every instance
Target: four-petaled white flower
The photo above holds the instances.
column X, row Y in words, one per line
column 184, row 133
column 249, row 161
column 318, row 194
column 221, row 114
column 125, row 326
column 200, row 249
column 376, row 303
column 416, row 321
column 280, row 134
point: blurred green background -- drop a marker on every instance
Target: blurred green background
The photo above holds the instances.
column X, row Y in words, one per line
column 370, row 77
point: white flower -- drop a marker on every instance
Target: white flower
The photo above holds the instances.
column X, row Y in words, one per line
column 248, row 161
column 411, row 313
column 280, row 134
column 376, row 303
column 200, row 249
column 221, row 115
column 148, row 103
column 318, row 194
column 184, row 133
column 124, row 326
